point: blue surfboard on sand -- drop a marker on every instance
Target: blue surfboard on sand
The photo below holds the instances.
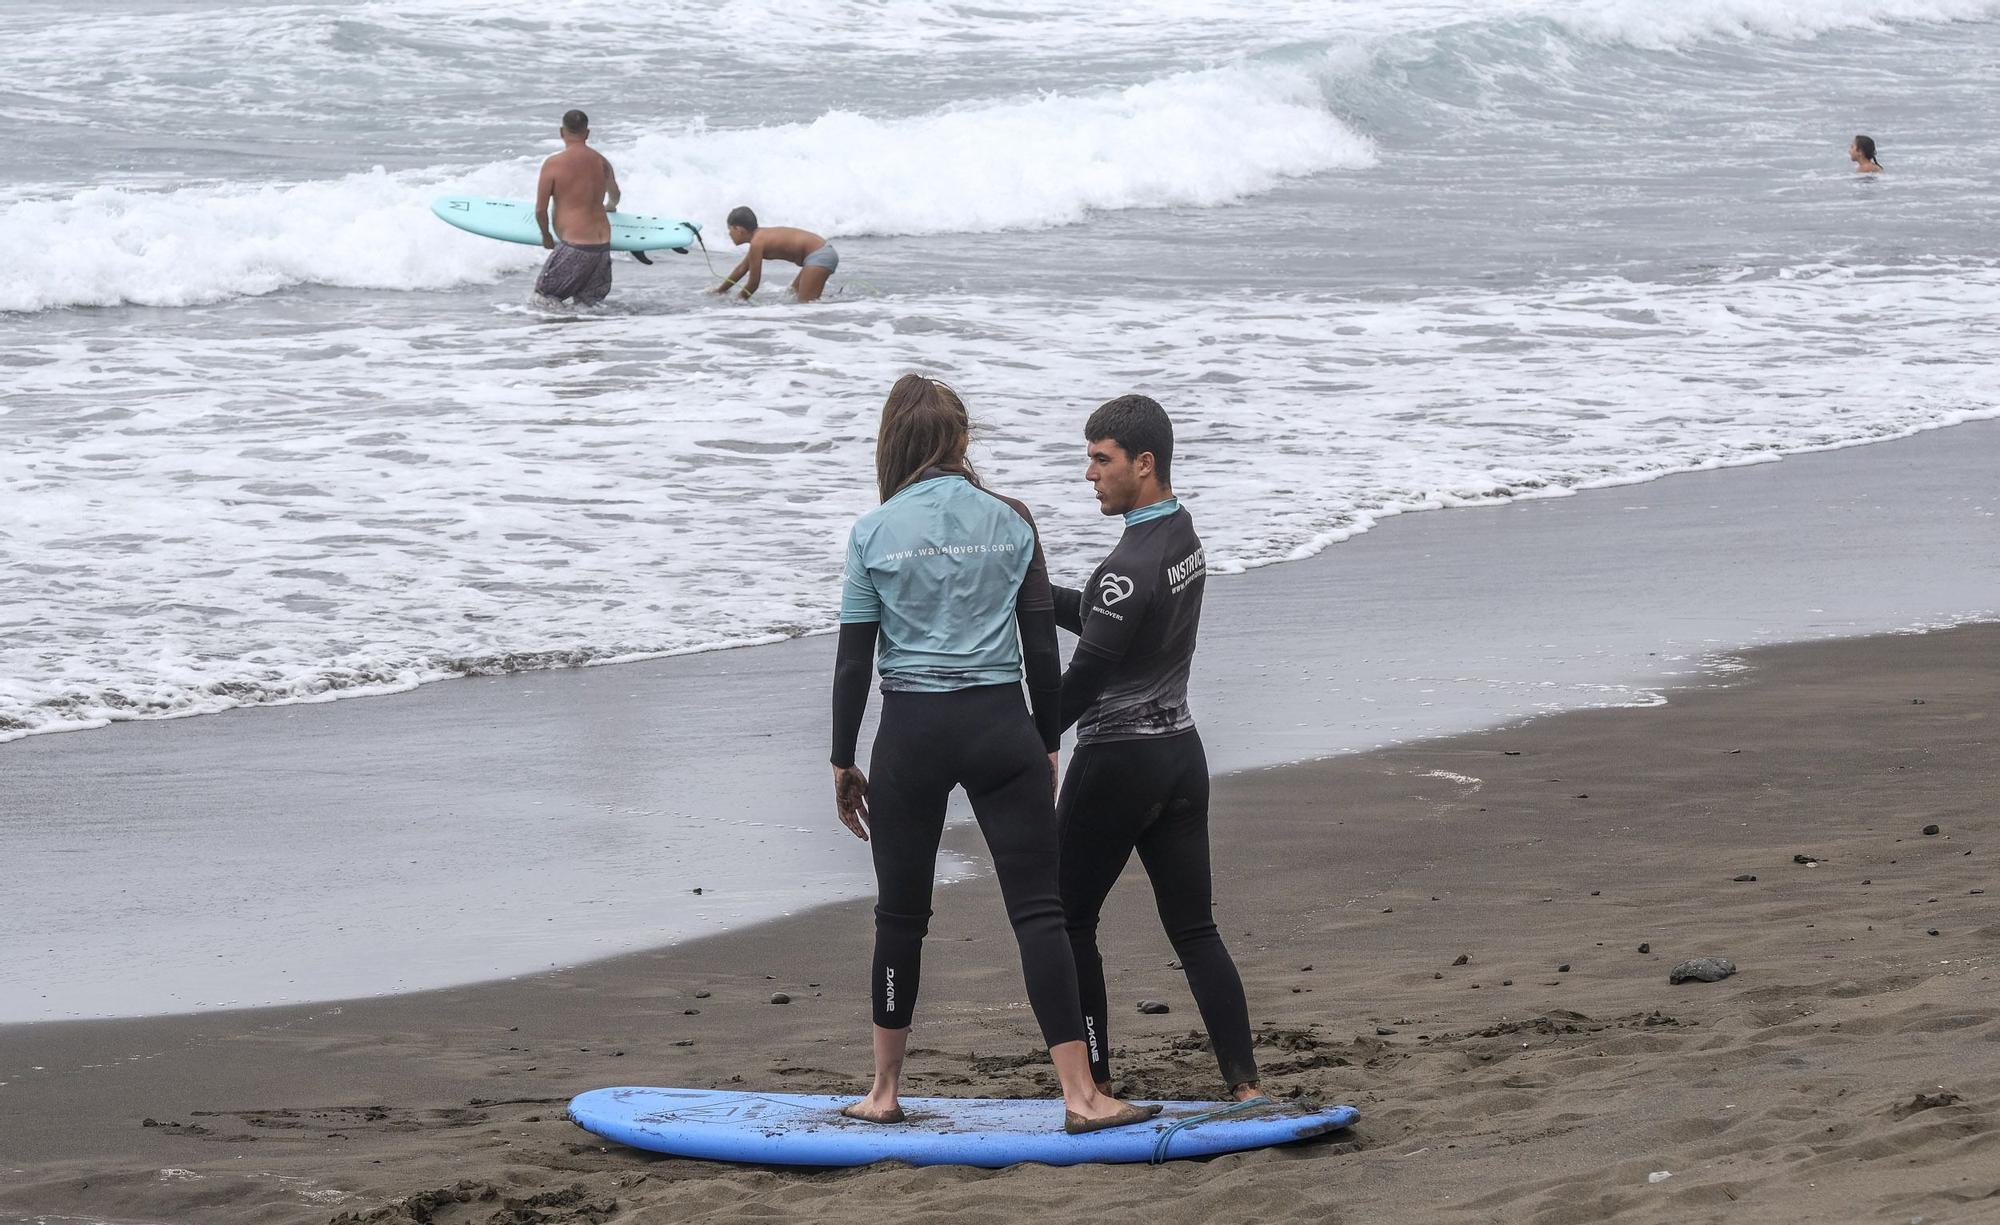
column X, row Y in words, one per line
column 514, row 221
column 799, row 1129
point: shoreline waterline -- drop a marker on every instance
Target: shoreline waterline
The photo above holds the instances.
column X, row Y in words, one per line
column 318, row 690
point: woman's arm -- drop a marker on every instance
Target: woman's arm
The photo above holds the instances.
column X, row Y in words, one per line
column 853, row 668
column 1041, row 661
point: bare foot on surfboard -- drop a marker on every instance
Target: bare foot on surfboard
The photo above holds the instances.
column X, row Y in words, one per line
column 868, row 1110
column 1076, row 1125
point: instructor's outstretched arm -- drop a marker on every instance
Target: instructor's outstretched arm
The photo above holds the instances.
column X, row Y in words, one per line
column 1088, row 674
column 1069, row 607
column 1106, row 640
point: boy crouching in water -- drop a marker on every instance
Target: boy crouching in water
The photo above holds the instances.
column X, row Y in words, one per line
column 815, row 256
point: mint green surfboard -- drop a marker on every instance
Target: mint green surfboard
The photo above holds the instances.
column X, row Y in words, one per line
column 514, row 221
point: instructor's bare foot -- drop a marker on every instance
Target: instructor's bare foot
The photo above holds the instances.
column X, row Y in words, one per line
column 1249, row 1093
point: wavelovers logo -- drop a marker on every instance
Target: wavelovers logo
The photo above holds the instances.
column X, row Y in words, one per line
column 1113, row 588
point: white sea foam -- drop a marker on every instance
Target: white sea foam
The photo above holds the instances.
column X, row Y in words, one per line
column 107, row 246
column 1201, row 139
column 196, row 528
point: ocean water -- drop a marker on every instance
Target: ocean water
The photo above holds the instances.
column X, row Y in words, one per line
column 274, row 434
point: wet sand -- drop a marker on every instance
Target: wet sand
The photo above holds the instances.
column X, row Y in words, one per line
column 1846, row 1073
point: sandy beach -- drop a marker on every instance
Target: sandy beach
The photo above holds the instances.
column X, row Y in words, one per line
column 1845, row 1073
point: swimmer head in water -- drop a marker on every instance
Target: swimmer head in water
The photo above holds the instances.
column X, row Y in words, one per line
column 1862, row 154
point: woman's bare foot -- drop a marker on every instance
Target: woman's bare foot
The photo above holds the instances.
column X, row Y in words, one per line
column 1077, row 1125
column 1096, row 1108
column 875, row 1109
column 1087, row 1106
column 881, row 1104
column 1248, row 1093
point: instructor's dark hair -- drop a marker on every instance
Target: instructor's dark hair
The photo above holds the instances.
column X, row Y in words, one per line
column 576, row 122
column 1137, row 424
column 1867, row 146
column 924, row 426
column 741, row 215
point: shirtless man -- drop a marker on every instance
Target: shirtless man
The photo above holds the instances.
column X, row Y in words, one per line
column 815, row 256
column 585, row 191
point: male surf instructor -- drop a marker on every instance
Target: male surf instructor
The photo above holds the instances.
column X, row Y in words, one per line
column 1138, row 779
column 584, row 189
column 814, row 255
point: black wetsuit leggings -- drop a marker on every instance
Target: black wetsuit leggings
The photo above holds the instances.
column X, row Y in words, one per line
column 1149, row 794
column 981, row 739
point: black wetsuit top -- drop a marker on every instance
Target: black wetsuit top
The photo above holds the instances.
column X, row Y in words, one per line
column 1137, row 622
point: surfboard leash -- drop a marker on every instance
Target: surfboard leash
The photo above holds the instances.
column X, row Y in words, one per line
column 1160, row 1145
column 713, row 274
column 704, row 253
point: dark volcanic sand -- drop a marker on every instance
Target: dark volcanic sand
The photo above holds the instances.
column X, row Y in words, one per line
column 1849, row 1071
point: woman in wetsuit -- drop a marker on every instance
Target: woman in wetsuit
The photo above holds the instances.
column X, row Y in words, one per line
column 948, row 580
